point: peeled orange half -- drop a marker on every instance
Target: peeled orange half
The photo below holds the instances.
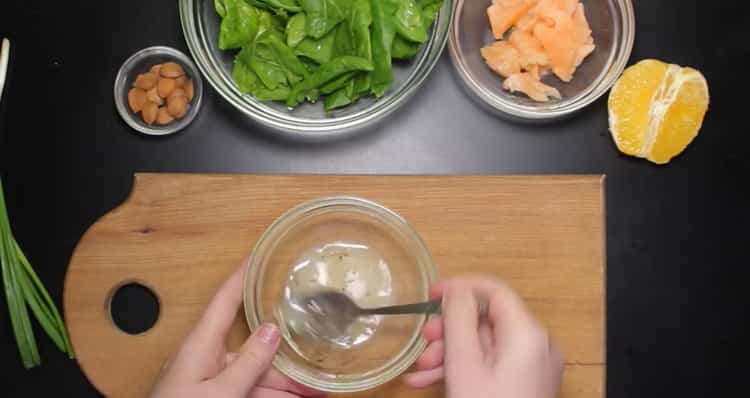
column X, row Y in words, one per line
column 656, row 109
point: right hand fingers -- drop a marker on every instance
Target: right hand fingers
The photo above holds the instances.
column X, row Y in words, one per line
column 460, row 313
column 505, row 309
column 424, row 378
column 432, row 357
column 433, row 329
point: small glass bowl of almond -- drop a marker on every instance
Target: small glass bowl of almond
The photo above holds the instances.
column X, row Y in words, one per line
column 158, row 91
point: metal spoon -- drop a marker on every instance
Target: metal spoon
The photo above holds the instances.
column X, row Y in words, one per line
column 333, row 312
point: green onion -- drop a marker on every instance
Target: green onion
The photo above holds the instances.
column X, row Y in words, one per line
column 23, row 288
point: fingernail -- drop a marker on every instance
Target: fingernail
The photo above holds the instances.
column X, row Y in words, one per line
column 269, row 333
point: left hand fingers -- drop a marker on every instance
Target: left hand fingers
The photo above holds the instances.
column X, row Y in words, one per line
column 262, row 392
column 275, row 380
column 197, row 357
column 219, row 316
column 253, row 361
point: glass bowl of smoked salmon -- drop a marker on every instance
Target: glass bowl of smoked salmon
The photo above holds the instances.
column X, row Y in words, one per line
column 540, row 59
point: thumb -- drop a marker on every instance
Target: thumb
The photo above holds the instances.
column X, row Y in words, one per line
column 254, row 360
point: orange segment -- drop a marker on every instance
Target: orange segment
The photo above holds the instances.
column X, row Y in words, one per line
column 683, row 117
column 504, row 13
column 502, row 58
column 656, row 109
column 630, row 103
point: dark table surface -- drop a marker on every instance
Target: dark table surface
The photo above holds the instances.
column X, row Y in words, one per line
column 676, row 235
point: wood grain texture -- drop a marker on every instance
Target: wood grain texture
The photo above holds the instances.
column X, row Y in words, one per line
column 182, row 235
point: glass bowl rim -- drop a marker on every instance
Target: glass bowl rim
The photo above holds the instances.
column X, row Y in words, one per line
column 126, row 69
column 309, row 128
column 253, row 274
column 606, row 79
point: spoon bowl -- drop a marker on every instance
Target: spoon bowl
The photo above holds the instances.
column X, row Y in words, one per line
column 331, row 312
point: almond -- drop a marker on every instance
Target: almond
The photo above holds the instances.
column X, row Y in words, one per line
column 136, row 99
column 163, row 117
column 178, row 92
column 188, row 87
column 155, row 68
column 153, row 96
column 177, row 106
column 180, row 81
column 171, row 70
column 150, row 110
column 166, row 86
column 146, row 81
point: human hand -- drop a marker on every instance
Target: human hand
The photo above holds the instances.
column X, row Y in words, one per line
column 503, row 354
column 202, row 367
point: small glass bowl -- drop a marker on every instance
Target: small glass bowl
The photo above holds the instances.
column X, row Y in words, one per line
column 613, row 29
column 326, row 222
column 141, row 62
column 200, row 23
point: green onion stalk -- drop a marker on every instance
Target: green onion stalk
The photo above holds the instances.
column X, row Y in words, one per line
column 26, row 294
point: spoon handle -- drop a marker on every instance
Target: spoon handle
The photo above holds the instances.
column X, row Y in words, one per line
column 429, row 307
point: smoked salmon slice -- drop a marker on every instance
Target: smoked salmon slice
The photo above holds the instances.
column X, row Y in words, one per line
column 530, row 49
column 503, row 14
column 502, row 58
column 535, row 37
column 531, row 86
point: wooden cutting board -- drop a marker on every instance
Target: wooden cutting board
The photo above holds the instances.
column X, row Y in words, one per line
column 181, row 235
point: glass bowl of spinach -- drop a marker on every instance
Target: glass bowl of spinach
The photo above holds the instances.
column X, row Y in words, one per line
column 316, row 67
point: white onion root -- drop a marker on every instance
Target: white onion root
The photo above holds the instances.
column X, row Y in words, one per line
column 4, row 54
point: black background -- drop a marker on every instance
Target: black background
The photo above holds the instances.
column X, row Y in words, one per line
column 676, row 235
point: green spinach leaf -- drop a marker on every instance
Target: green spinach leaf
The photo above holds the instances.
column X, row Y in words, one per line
column 278, row 94
column 249, row 83
column 284, row 56
column 294, row 50
column 341, row 97
column 360, row 22
column 343, row 43
column 281, row 8
column 318, row 50
column 268, row 69
column 239, row 25
column 429, row 10
column 242, row 74
column 404, row 49
column 327, row 72
column 288, row 5
column 409, row 22
column 383, row 32
column 268, row 21
column 220, row 8
column 337, row 83
column 322, row 16
column 295, row 29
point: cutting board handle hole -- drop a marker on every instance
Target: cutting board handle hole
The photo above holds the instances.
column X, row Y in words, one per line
column 133, row 307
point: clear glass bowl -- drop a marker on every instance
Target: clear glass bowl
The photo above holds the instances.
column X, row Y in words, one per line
column 397, row 268
column 201, row 27
column 141, row 62
column 613, row 29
